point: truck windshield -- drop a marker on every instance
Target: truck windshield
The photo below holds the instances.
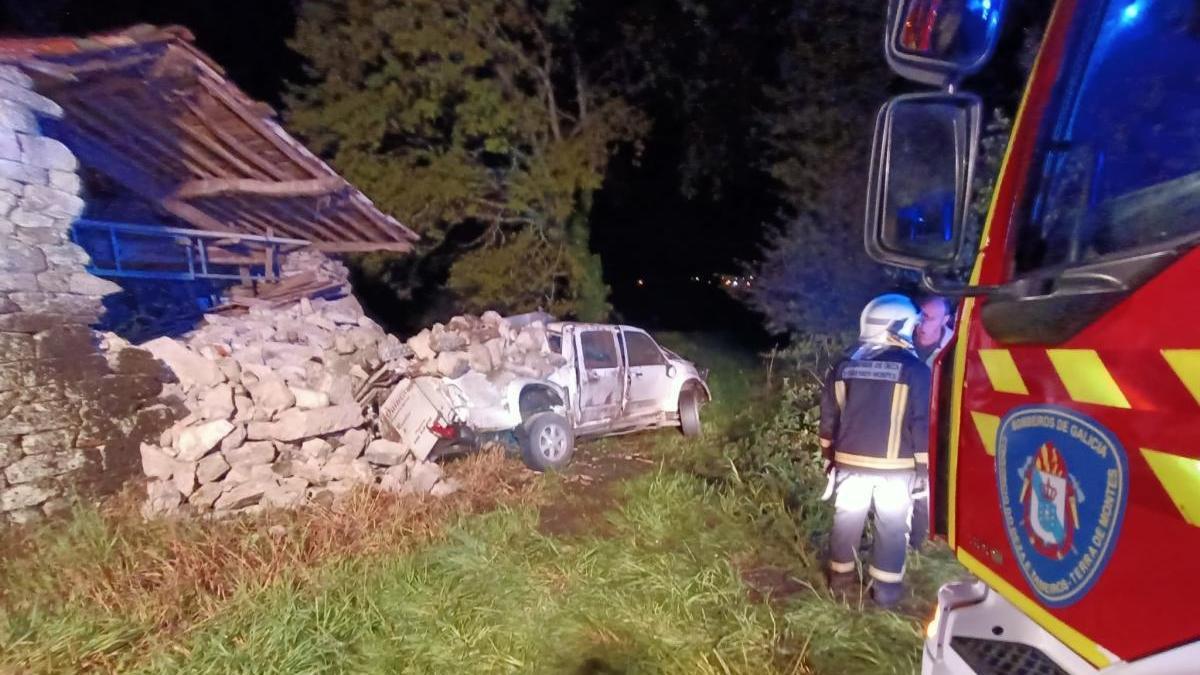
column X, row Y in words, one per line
column 1117, row 166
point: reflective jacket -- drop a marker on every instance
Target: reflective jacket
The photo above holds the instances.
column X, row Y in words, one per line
column 876, row 411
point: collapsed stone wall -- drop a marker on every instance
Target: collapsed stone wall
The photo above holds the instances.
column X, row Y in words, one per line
column 72, row 413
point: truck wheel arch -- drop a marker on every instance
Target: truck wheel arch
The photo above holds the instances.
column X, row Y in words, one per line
column 536, row 398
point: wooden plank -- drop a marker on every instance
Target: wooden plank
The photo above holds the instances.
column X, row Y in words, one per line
column 146, row 132
column 216, row 187
column 362, row 246
column 315, row 226
column 229, row 144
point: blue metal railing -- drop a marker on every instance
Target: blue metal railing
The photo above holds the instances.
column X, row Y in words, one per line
column 138, row 251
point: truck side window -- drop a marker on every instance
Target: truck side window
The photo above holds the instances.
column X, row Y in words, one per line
column 599, row 349
column 555, row 342
column 642, row 350
column 1117, row 166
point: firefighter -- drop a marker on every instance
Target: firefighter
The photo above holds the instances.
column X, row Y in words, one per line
column 874, row 421
column 934, row 331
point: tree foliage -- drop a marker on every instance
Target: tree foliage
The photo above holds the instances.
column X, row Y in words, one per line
column 814, row 276
column 476, row 122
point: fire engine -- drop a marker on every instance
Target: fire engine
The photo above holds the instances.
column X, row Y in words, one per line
column 1066, row 467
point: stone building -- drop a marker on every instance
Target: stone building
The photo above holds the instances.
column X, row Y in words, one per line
column 139, row 188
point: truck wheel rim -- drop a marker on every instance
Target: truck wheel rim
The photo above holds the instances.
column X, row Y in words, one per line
column 552, row 441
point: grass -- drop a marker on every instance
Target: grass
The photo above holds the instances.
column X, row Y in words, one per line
column 463, row 585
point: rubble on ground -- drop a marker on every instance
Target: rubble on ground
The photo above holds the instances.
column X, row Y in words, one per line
column 273, row 409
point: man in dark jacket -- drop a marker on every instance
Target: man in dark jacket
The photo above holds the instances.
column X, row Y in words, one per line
column 874, row 425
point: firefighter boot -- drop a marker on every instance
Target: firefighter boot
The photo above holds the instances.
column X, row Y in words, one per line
column 887, row 595
column 843, row 585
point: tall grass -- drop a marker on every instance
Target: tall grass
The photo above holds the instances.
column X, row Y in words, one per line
column 469, row 584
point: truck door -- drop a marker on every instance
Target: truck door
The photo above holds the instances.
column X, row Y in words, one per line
column 601, row 382
column 1075, row 487
column 649, row 385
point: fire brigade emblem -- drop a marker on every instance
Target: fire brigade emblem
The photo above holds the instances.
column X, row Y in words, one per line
column 1063, row 484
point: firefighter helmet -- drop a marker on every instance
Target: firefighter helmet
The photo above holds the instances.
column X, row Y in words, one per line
column 889, row 320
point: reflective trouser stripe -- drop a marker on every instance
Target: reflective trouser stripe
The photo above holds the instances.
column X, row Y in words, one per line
column 889, row 495
column 886, row 577
column 841, row 567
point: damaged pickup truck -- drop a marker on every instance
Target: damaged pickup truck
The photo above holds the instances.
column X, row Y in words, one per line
column 605, row 380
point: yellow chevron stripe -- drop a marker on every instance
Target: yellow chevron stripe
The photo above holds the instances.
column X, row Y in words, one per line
column 1180, row 477
column 987, row 426
column 1086, row 378
column 1186, row 364
column 1002, row 371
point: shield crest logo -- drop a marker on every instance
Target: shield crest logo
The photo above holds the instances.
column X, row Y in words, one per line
column 1050, row 498
column 1063, row 481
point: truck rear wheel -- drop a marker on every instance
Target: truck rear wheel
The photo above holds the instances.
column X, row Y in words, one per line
column 547, row 442
column 689, row 412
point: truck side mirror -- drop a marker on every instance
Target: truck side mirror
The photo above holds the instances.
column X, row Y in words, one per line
column 918, row 193
column 939, row 42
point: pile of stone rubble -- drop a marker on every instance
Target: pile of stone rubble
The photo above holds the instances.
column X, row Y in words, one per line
column 270, row 413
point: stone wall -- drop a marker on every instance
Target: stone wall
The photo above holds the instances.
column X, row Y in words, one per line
column 72, row 413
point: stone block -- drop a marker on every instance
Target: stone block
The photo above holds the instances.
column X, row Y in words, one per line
column 19, row 281
column 16, row 321
column 296, row 424
column 16, row 256
column 307, row 399
column 55, row 303
column 254, row 452
column 9, row 148
column 65, row 342
column 243, row 495
column 47, row 153
column 68, row 254
column 23, row 173
column 206, row 495
column 445, row 488
column 212, row 468
column 196, row 442
column 162, row 499
column 53, row 282
column 42, row 442
column 26, row 218
column 423, row 476
column 191, row 368
column 271, row 395
column 385, row 453
column 24, row 496
column 16, row 347
column 67, row 181
column 155, row 462
column 17, row 118
column 87, row 284
column 184, row 477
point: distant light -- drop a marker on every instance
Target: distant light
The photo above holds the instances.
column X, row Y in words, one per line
column 735, row 283
column 1131, row 12
column 641, row 282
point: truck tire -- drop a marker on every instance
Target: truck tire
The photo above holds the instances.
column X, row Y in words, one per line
column 547, row 442
column 689, row 412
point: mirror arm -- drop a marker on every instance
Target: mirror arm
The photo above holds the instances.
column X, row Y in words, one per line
column 938, row 287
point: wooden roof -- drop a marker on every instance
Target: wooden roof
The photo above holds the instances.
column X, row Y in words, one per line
column 152, row 112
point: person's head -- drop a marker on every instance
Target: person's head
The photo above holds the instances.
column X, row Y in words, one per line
column 889, row 319
column 936, row 313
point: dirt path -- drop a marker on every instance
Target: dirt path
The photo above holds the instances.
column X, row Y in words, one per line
column 592, row 489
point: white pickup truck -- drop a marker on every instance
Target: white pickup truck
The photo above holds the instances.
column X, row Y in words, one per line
column 615, row 380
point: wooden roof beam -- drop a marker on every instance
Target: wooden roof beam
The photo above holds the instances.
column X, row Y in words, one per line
column 361, row 246
column 215, row 187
